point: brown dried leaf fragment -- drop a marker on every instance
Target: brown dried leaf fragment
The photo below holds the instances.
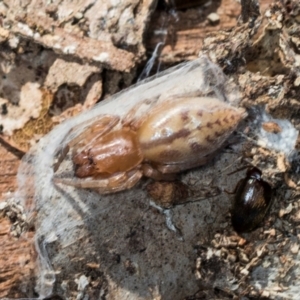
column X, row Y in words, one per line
column 168, row 194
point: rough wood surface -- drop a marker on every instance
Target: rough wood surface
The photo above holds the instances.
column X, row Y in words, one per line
column 182, row 32
column 17, row 260
column 9, row 164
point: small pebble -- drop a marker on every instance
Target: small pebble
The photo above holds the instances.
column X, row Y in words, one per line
column 213, row 18
column 295, row 248
column 3, row 205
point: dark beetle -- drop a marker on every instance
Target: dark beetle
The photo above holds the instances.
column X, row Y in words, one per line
column 253, row 198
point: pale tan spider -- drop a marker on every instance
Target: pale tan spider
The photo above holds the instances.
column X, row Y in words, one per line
column 112, row 154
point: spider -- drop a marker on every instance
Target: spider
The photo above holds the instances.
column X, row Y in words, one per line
column 113, row 153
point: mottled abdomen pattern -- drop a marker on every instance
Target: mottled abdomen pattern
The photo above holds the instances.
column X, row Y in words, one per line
column 187, row 129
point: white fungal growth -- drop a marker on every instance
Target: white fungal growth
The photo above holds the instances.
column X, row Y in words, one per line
column 282, row 141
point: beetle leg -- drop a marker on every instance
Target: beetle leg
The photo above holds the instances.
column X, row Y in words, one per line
column 115, row 183
column 235, row 189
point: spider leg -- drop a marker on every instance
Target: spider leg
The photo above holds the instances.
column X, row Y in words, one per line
column 155, row 174
column 115, row 183
column 61, row 154
column 131, row 120
column 127, row 182
column 176, row 168
column 95, row 129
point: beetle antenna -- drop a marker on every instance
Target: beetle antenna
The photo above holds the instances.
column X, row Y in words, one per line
column 248, row 165
column 238, row 170
column 223, row 170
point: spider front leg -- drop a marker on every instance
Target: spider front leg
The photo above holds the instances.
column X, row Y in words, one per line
column 94, row 130
column 115, row 183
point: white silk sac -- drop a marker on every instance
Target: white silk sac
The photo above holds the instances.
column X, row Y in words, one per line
column 79, row 227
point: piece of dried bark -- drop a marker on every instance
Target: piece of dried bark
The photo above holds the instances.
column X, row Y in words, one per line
column 17, row 261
